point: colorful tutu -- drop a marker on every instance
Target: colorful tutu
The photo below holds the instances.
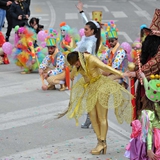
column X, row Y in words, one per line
column 108, row 93
column 23, row 59
column 137, row 148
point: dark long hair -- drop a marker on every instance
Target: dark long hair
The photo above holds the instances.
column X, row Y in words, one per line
column 150, row 47
column 97, row 33
column 149, row 105
column 72, row 57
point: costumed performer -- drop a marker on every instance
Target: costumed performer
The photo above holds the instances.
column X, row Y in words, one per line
column 149, row 59
column 3, row 56
column 96, row 16
column 95, row 94
column 89, row 43
column 116, row 57
column 145, row 137
column 67, row 38
column 25, row 55
column 59, row 73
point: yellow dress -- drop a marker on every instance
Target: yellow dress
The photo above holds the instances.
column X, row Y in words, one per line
column 93, row 87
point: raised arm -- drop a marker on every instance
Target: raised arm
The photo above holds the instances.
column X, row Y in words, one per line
column 80, row 8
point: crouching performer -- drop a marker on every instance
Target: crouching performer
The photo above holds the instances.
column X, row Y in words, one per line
column 59, row 73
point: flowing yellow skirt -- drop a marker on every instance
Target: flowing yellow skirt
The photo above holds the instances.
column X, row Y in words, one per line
column 107, row 92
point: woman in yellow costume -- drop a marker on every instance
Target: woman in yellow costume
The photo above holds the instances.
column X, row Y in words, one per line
column 94, row 94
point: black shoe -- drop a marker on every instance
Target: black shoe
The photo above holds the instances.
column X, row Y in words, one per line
column 7, row 39
column 87, row 123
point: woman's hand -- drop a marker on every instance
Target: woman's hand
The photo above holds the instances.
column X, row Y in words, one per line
column 129, row 74
column 80, row 6
column 142, row 75
column 151, row 155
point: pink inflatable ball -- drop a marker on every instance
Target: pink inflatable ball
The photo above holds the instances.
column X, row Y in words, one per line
column 7, row 48
column 81, row 32
column 43, row 44
column 42, row 35
column 127, row 47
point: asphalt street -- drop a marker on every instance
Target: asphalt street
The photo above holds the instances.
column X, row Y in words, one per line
column 28, row 130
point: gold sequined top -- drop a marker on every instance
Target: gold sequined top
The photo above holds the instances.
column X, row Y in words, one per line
column 91, row 67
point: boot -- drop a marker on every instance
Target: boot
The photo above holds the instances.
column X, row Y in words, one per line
column 63, row 87
column 87, row 122
column 101, row 148
column 51, row 87
column 98, row 143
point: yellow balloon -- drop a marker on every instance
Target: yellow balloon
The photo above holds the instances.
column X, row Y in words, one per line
column 152, row 76
column 156, row 76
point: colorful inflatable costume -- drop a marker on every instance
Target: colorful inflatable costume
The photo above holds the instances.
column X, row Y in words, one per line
column 146, row 131
column 25, row 55
column 3, row 56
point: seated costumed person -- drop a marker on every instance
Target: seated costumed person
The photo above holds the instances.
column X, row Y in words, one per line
column 59, row 73
column 3, row 56
column 95, row 94
column 25, row 55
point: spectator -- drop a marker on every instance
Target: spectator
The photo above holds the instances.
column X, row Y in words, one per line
column 3, row 7
column 20, row 13
column 34, row 23
column 9, row 23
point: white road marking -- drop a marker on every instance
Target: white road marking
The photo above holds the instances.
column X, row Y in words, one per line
column 31, row 115
column 71, row 15
column 52, row 15
column 104, row 20
column 140, row 12
column 118, row 129
column 95, row 6
column 119, row 14
column 143, row 14
column 128, row 39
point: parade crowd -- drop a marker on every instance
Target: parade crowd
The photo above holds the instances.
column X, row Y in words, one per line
column 109, row 70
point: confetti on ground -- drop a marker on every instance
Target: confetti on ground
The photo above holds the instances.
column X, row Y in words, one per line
column 75, row 149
